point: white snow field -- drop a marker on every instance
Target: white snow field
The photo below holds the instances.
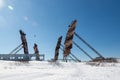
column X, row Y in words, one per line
column 36, row 70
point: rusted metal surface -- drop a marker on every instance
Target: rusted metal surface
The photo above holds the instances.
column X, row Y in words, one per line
column 57, row 48
column 69, row 37
column 36, row 51
column 24, row 42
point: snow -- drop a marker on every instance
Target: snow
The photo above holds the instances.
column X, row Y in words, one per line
column 36, row 70
column 118, row 59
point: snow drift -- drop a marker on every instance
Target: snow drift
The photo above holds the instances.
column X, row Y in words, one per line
column 35, row 70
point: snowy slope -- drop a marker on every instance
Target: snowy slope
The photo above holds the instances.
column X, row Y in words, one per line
column 35, row 70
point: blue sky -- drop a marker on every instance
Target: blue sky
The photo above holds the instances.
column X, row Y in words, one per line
column 45, row 20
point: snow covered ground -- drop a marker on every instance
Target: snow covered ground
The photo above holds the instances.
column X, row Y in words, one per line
column 36, row 70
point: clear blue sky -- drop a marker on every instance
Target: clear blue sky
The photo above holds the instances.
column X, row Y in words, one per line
column 45, row 20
